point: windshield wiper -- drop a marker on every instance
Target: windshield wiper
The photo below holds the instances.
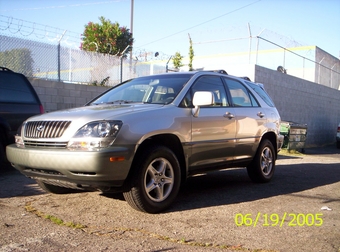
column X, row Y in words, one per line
column 122, row 101
column 115, row 102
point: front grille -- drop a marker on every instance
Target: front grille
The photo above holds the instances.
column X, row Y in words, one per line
column 45, row 144
column 45, row 129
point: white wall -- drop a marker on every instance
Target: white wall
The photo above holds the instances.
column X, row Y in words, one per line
column 304, row 102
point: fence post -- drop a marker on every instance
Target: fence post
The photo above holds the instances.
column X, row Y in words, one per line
column 58, row 61
column 121, row 63
column 59, row 54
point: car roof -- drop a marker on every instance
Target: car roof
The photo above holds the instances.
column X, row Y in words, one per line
column 219, row 72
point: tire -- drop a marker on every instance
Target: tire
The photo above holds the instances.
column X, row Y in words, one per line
column 54, row 189
column 262, row 167
column 155, row 180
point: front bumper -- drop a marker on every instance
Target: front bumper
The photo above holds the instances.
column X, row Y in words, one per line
column 104, row 168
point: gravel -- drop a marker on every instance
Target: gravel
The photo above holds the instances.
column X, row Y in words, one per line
column 201, row 219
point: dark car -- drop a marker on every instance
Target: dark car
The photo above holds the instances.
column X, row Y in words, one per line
column 18, row 101
column 338, row 137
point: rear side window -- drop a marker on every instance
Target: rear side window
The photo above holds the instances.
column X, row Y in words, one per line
column 14, row 88
column 240, row 95
column 262, row 93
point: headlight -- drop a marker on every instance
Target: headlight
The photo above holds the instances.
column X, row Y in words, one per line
column 18, row 139
column 95, row 135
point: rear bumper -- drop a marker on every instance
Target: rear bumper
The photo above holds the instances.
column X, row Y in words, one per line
column 85, row 168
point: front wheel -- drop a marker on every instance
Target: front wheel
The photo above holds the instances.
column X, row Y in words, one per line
column 262, row 167
column 155, row 180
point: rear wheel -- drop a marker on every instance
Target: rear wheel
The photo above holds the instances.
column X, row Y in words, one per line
column 155, row 181
column 262, row 167
column 54, row 189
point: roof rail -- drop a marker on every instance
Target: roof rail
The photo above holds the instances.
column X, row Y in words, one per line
column 221, row 71
column 245, row 78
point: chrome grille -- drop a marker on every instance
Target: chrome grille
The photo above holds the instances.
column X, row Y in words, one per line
column 45, row 144
column 46, row 129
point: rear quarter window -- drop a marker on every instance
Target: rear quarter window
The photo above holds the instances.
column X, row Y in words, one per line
column 262, row 93
column 15, row 89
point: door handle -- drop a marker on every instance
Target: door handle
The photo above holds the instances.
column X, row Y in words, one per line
column 260, row 114
column 228, row 115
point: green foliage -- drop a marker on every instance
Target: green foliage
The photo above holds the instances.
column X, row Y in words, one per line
column 177, row 60
column 106, row 37
column 18, row 60
column 191, row 54
column 102, row 83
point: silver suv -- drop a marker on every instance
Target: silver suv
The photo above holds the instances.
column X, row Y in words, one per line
column 145, row 136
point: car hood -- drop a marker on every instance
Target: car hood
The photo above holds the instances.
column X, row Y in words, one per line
column 83, row 115
column 95, row 112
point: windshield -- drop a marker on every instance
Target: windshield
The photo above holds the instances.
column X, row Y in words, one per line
column 159, row 89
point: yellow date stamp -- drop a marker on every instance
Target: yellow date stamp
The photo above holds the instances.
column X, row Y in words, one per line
column 278, row 220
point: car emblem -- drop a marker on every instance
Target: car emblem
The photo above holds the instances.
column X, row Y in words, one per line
column 40, row 128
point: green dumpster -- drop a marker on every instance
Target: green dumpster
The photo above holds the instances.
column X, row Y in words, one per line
column 295, row 135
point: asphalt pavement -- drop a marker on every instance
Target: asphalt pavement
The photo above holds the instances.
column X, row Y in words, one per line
column 299, row 210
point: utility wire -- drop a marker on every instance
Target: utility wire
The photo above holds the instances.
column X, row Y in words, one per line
column 62, row 6
column 245, row 6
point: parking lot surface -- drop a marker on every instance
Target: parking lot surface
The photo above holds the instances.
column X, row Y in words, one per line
column 298, row 210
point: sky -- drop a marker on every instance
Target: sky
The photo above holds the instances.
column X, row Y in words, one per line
column 165, row 26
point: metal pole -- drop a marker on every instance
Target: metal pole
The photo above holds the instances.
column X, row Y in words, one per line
column 58, row 48
column 332, row 74
column 320, row 70
column 257, row 46
column 121, row 63
column 166, row 67
column 131, row 26
column 249, row 43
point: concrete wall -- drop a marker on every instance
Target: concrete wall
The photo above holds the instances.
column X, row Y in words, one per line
column 304, row 102
column 58, row 95
column 296, row 99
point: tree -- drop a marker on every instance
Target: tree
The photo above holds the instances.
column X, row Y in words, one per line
column 177, row 60
column 191, row 54
column 18, row 60
column 106, row 37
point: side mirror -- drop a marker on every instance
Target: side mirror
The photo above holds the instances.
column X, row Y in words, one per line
column 201, row 98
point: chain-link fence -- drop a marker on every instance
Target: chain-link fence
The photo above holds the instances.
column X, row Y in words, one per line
column 273, row 51
column 51, row 53
column 305, row 62
column 55, row 62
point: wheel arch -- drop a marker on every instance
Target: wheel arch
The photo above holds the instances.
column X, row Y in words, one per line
column 271, row 136
column 170, row 141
